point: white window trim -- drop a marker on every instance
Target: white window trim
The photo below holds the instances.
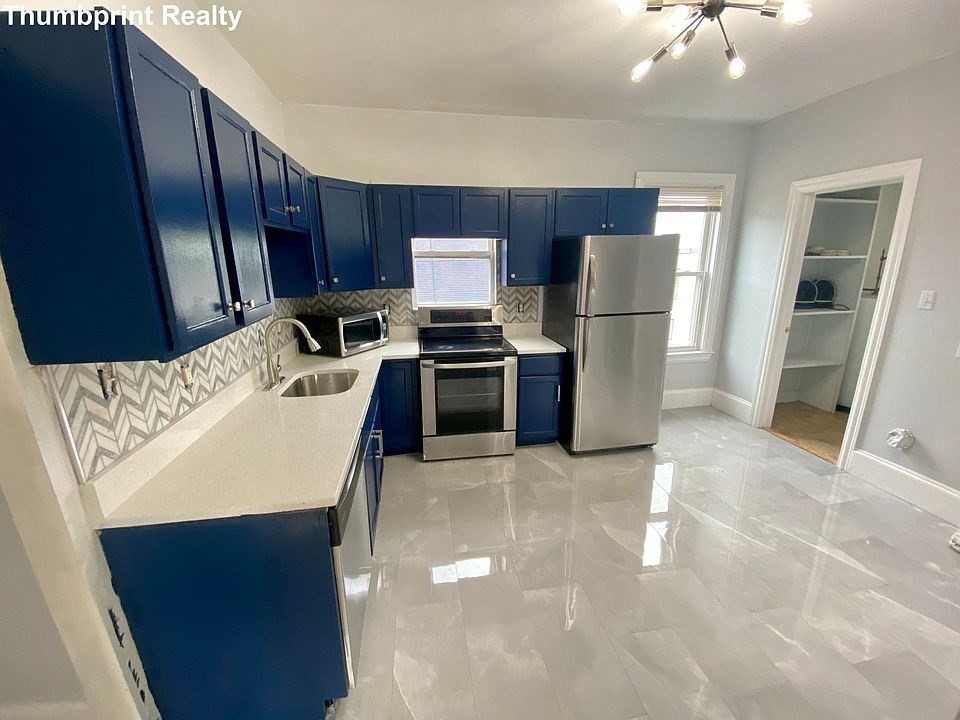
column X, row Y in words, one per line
column 490, row 254
column 717, row 262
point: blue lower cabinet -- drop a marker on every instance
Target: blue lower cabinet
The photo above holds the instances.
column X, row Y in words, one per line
column 400, row 406
column 346, row 235
column 538, row 399
column 234, row 619
column 371, row 443
column 391, row 223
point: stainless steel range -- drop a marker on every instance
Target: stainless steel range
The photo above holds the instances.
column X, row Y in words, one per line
column 468, row 375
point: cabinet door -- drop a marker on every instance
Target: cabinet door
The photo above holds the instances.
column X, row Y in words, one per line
column 346, row 232
column 170, row 147
column 235, row 171
column 296, row 179
column 273, row 182
column 632, row 211
column 581, row 212
column 317, row 244
column 483, row 212
column 400, row 406
column 436, row 212
column 538, row 409
column 530, row 238
column 391, row 209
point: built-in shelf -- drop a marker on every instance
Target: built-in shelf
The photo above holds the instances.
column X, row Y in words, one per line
column 847, row 201
column 834, row 257
column 822, row 311
column 796, row 363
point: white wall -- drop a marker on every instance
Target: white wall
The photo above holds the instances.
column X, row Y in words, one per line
column 912, row 114
column 397, row 146
column 34, row 665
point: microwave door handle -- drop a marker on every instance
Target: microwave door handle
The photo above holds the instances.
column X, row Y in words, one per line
column 464, row 366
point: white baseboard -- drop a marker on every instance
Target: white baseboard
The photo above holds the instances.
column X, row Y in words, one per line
column 46, row 711
column 732, row 405
column 688, row 397
column 920, row 490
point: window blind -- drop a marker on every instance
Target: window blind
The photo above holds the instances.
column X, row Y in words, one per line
column 691, row 198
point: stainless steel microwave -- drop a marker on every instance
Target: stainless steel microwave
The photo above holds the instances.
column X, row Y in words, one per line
column 345, row 335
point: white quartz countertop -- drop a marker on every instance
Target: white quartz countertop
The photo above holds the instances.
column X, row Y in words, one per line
column 536, row 345
column 272, row 454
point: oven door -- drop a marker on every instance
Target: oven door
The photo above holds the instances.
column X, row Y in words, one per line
column 469, row 397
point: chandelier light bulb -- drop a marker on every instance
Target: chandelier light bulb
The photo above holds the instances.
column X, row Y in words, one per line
column 737, row 66
column 678, row 16
column 797, row 12
column 680, row 47
column 640, row 70
column 629, row 8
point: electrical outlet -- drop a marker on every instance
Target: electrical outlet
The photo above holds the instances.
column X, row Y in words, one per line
column 520, row 306
column 928, row 298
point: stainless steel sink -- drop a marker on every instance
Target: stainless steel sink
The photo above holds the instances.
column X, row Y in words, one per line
column 321, row 383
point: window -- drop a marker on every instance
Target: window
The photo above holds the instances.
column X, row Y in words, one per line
column 450, row 271
column 695, row 207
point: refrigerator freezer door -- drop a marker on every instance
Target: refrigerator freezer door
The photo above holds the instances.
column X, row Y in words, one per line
column 624, row 274
column 618, row 388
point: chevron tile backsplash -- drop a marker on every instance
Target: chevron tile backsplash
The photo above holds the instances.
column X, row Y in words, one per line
column 152, row 396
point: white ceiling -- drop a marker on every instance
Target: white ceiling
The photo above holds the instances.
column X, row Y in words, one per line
column 571, row 58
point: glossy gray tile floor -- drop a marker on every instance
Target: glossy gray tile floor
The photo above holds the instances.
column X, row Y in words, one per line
column 724, row 574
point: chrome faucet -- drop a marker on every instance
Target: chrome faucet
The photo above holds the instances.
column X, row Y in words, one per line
column 273, row 368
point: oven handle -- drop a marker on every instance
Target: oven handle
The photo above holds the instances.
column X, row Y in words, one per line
column 466, row 366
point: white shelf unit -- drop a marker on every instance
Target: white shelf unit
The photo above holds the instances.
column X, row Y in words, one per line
column 819, row 341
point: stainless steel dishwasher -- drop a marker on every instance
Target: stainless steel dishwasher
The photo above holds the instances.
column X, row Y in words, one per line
column 352, row 559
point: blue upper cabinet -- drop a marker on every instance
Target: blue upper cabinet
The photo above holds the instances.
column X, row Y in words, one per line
column 125, row 261
column 527, row 256
column 483, row 212
column 317, row 245
column 391, row 213
column 436, row 212
column 273, row 182
column 296, row 193
column 298, row 262
column 632, row 211
column 235, row 171
column 346, row 233
column 599, row 211
column 581, row 212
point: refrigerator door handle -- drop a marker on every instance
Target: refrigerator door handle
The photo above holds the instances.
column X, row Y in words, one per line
column 591, row 281
column 583, row 349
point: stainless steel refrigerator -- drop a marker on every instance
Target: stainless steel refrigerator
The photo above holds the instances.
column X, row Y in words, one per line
column 609, row 304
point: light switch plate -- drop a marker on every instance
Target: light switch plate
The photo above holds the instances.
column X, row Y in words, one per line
column 928, row 298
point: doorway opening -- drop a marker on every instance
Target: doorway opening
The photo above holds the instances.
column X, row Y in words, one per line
column 838, row 267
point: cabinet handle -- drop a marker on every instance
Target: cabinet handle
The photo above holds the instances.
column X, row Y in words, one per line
column 237, row 307
column 336, row 280
column 558, row 392
column 513, row 276
column 296, row 208
column 603, row 226
column 383, row 278
column 610, row 226
column 250, row 304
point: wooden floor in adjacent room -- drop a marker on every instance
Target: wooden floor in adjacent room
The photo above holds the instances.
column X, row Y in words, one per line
column 814, row 430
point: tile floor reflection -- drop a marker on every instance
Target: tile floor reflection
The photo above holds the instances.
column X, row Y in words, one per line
column 723, row 574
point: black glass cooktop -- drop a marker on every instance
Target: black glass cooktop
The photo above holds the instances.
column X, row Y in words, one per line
column 463, row 346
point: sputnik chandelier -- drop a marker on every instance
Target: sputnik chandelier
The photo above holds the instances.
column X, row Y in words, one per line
column 688, row 16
